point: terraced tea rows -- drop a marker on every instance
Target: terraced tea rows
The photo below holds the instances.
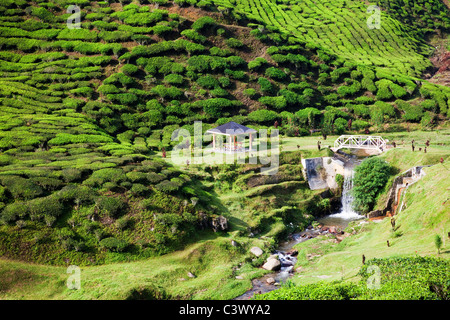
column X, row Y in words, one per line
column 341, row 28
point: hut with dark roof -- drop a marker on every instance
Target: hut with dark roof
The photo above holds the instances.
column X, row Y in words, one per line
column 234, row 133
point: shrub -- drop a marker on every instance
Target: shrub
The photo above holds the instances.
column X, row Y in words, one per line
column 114, row 244
column 21, row 188
column 129, row 69
column 203, row 23
column 215, row 106
column 234, row 43
column 174, row 79
column 207, row 82
column 167, row 92
column 370, row 178
column 45, row 207
column 257, row 63
column 278, row 103
column 193, row 35
column 263, row 116
column 275, row 74
column 167, row 186
column 266, row 86
column 112, row 206
column 410, row 112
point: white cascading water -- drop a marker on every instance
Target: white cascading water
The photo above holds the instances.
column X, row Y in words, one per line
column 347, row 211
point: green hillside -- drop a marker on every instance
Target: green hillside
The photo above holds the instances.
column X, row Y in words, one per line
column 87, row 117
column 340, row 28
column 411, row 253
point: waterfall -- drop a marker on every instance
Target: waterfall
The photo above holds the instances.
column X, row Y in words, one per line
column 347, row 211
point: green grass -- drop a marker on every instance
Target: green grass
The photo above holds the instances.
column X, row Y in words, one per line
column 417, row 225
column 212, row 261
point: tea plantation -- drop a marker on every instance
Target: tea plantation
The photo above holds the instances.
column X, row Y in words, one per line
column 87, row 113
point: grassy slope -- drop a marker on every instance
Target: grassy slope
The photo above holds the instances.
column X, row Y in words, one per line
column 426, row 215
column 210, row 260
column 213, row 255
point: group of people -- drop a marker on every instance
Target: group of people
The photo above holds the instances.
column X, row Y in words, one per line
column 413, row 146
column 427, row 144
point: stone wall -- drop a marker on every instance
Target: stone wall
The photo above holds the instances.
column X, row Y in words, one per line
column 321, row 172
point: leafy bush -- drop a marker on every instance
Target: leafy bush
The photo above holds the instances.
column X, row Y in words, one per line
column 266, row 86
column 114, row 244
column 370, row 178
column 21, row 188
column 234, row 43
column 263, row 116
column 167, row 186
column 275, row 74
column 112, row 206
column 410, row 112
column 203, row 23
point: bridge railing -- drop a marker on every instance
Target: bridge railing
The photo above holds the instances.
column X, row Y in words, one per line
column 360, row 142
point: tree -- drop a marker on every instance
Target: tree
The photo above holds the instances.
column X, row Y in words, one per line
column 370, row 178
column 438, row 242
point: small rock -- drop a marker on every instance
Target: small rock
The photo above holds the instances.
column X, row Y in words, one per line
column 270, row 280
column 256, row 251
column 190, row 275
column 182, row 279
column 234, row 243
column 332, row 229
column 239, row 277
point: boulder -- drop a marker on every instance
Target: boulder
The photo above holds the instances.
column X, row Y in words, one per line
column 190, row 275
column 272, row 265
column 272, row 256
column 270, row 280
column 219, row 223
column 256, row 251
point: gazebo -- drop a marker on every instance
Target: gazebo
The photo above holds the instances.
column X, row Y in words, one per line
column 232, row 130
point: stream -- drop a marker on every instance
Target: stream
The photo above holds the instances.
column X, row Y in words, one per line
column 288, row 256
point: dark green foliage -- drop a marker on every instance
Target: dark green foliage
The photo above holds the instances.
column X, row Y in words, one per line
column 263, row 116
column 410, row 112
column 266, row 86
column 112, row 206
column 169, row 186
column 216, row 106
column 370, row 178
column 193, row 35
column 234, row 43
column 401, row 278
column 275, row 74
column 21, row 188
column 114, row 244
column 204, row 23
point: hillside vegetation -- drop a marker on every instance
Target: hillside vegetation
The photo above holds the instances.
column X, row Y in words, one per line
column 87, row 116
column 410, row 267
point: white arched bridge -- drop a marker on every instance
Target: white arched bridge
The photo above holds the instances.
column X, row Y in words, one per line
column 360, row 142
